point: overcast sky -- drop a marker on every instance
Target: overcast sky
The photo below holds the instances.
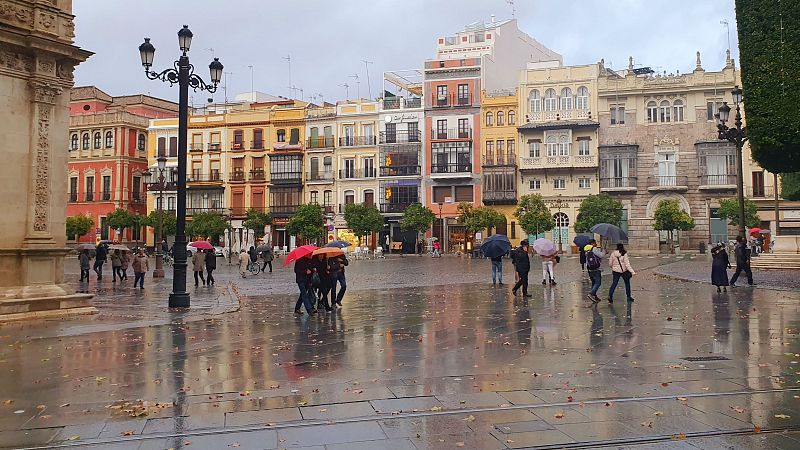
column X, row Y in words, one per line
column 328, row 39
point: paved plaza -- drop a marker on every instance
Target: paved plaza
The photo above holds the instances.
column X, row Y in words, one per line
column 425, row 354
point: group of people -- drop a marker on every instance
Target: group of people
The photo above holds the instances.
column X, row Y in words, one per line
column 249, row 257
column 120, row 262
column 317, row 277
column 721, row 263
column 204, row 260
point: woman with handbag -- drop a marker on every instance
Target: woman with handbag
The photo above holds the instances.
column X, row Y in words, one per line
column 620, row 268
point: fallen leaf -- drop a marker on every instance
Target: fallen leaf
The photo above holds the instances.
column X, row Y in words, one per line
column 559, row 415
column 127, row 433
column 8, row 402
column 19, row 411
column 436, row 408
column 235, row 444
column 469, row 418
column 73, row 438
column 302, row 403
column 64, row 405
column 659, row 413
column 459, row 444
column 664, row 384
column 738, row 409
column 648, row 424
column 682, row 399
column 757, row 429
column 679, row 436
column 40, row 407
column 782, row 416
column 323, row 410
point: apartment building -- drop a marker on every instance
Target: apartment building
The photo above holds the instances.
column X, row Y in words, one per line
column 499, row 158
column 320, row 161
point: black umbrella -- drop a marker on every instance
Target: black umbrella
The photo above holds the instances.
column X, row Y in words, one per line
column 338, row 244
column 582, row 240
column 495, row 245
column 610, row 232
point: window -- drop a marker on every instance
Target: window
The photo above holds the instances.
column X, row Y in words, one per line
column 171, row 203
column 349, row 168
column 441, row 129
column 500, row 118
column 510, row 144
column 109, row 139
column 500, row 150
column 369, row 167
column 533, row 148
column 667, row 169
column 584, row 183
column 583, row 147
column 758, row 184
column 173, row 146
column 97, row 139
column 73, row 189
column 559, row 183
column 677, row 109
column 413, row 132
column 464, row 194
column 582, row 100
column 440, row 193
column 141, row 142
column 106, row 188
column 665, row 111
column 463, row 128
column 563, row 145
column 369, row 198
column 513, row 229
column 534, row 102
column 238, row 139
column 490, row 149
column 137, row 189
column 652, row 112
column 712, row 107
column 552, row 146
column 451, row 157
column 463, row 94
column 535, row 185
column 489, row 117
column 313, row 197
column 368, row 131
column 73, row 142
column 441, row 95
column 327, row 198
column 512, row 117
column 281, row 135
column 294, row 136
column 327, row 165
column 258, row 139
column 85, row 141
column 617, row 115
column 349, row 197
column 550, row 100
column 162, row 146
column 89, row 189
column 566, row 99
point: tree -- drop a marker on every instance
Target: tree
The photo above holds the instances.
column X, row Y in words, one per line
column 596, row 209
column 729, row 209
column 206, row 225
column 257, row 220
column 790, row 186
column 120, row 219
column 169, row 221
column 670, row 217
column 418, row 218
column 478, row 219
column 533, row 214
column 769, row 56
column 79, row 225
column 307, row 222
column 363, row 219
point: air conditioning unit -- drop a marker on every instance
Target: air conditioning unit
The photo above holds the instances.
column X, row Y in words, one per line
column 448, row 199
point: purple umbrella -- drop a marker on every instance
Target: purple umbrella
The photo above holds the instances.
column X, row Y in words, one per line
column 544, row 247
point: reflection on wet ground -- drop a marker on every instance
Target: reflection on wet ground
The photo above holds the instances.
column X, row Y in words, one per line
column 429, row 366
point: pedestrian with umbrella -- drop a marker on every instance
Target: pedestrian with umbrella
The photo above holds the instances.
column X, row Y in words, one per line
column 267, row 254
column 337, row 261
column 101, row 254
column 610, row 232
column 742, row 262
column 211, row 266
column 301, row 257
column 199, row 266
column 581, row 241
column 594, row 257
column 620, row 268
column 719, row 267
column 84, row 259
column 116, row 266
column 494, row 248
column 547, row 250
column 522, row 264
column 140, row 268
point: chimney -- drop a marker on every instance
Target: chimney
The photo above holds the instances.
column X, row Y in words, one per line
column 492, row 18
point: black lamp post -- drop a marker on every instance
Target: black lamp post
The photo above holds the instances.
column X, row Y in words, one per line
column 737, row 135
column 560, row 204
column 183, row 74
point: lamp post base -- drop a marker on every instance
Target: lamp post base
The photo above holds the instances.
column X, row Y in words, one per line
column 179, row 300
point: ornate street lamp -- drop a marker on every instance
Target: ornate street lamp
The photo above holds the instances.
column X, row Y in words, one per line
column 182, row 74
column 737, row 135
column 560, row 204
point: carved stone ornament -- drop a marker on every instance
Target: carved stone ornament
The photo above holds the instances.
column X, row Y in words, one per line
column 19, row 62
column 46, row 66
column 41, row 189
column 69, row 28
column 64, row 71
column 47, row 21
column 16, row 14
column 45, row 93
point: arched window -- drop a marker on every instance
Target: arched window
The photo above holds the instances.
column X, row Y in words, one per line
column 489, row 117
column 582, row 100
column 665, row 111
column 109, row 139
column 535, row 101
column 652, row 112
column 552, row 146
column 141, row 143
column 500, row 118
column 85, row 141
column 563, row 146
column 73, row 142
column 561, row 219
column 512, row 117
column 566, row 99
column 550, row 100
column 97, row 139
column 677, row 107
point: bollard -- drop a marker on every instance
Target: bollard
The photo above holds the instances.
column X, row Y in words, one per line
column 702, row 248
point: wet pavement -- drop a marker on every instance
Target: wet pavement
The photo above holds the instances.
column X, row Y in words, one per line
column 424, row 354
column 699, row 269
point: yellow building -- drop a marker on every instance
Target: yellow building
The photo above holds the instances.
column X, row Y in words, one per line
column 499, row 158
column 285, row 153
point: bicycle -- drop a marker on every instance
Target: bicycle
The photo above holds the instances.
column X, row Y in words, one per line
column 253, row 268
column 167, row 260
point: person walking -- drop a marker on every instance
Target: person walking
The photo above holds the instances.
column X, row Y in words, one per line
column 253, row 253
column 548, row 264
column 244, row 262
column 620, row 268
column 594, row 257
column 101, row 253
column 436, row 249
column 336, row 267
column 164, row 247
column 126, row 261
column 497, row 270
column 742, row 262
column 321, row 282
column 199, row 265
column 302, row 275
column 211, row 266
column 116, row 266
column 522, row 264
column 720, row 263
column 84, row 258
column 267, row 255
column 582, row 255
column 140, row 267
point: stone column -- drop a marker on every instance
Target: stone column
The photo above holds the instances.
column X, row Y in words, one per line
column 36, row 63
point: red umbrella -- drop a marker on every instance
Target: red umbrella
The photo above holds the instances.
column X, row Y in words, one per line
column 298, row 253
column 202, row 245
column 755, row 230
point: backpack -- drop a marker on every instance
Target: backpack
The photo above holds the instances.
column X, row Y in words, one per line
column 592, row 260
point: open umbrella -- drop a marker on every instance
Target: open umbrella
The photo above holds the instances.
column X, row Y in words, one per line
column 755, row 230
column 495, row 245
column 86, row 247
column 610, row 232
column 328, row 251
column 298, row 253
column 263, row 247
column 544, row 247
column 582, row 240
column 119, row 247
column 202, row 245
column 338, row 244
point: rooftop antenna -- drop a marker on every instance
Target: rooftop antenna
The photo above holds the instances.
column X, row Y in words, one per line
column 321, row 99
column 225, row 85
column 358, row 85
column 724, row 22
column 346, row 91
column 212, row 52
column 513, row 9
column 288, row 59
column 252, row 90
column 366, row 67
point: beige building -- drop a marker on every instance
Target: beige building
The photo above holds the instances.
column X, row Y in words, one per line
column 320, row 163
column 558, row 155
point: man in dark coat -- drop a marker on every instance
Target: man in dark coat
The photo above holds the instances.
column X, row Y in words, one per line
column 742, row 262
column 211, row 265
column 302, row 274
column 101, row 254
column 522, row 264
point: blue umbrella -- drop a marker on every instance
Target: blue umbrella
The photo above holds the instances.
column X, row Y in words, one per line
column 496, row 245
column 610, row 232
column 338, row 244
column 582, row 240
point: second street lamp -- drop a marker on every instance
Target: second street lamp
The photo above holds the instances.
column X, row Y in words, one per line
column 737, row 135
column 183, row 75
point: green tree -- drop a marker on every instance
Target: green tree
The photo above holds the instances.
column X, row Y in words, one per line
column 256, row 220
column 206, row 225
column 790, row 186
column 120, row 219
column 169, row 221
column 729, row 209
column 533, row 214
column 670, row 217
column 363, row 219
column 768, row 45
column 79, row 225
column 478, row 219
column 418, row 218
column 307, row 222
column 596, row 209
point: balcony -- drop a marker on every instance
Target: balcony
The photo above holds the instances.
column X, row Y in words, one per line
column 500, row 197
column 241, row 211
column 214, row 147
column 453, row 100
column 72, row 197
column 194, row 147
column 618, row 184
column 320, row 142
column 394, row 208
column 237, row 146
column 197, row 177
column 401, row 103
column 105, row 196
column 287, row 146
column 138, row 199
column 257, row 145
column 551, row 162
column 237, row 176
column 452, row 168
column 400, row 171
column 718, row 182
column 346, row 174
column 451, row 133
column 504, row 159
column 287, row 178
column 258, row 176
column 761, row 192
column 319, row 177
column 400, row 137
column 283, row 210
column 356, row 141
column 668, row 183
column 190, row 211
column 328, row 209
